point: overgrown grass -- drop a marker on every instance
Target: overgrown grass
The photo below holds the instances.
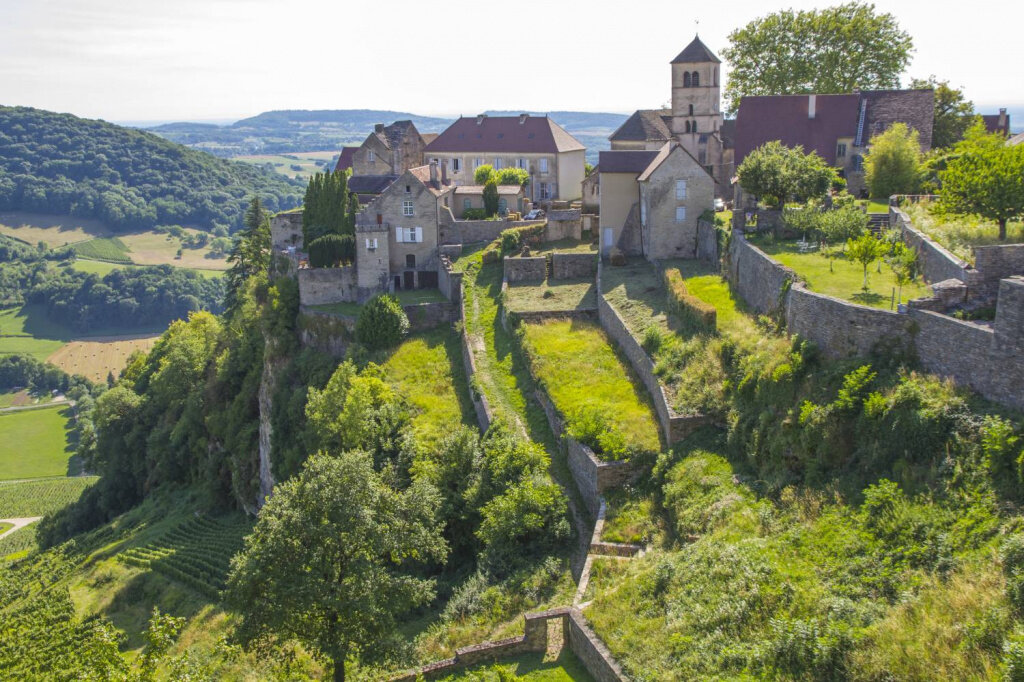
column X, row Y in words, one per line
column 581, row 371
column 34, row 443
column 630, row 516
column 841, row 277
column 574, row 294
column 960, row 234
column 528, row 668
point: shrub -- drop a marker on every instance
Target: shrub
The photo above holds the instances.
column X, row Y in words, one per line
column 616, row 256
column 529, row 517
column 474, row 214
column 693, row 310
column 491, row 197
column 382, row 323
column 591, row 426
column 653, row 339
column 511, row 240
column 332, row 250
column 893, row 165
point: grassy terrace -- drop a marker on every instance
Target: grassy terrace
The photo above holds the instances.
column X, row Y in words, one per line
column 571, row 294
column 839, row 276
column 580, row 370
column 405, row 297
column 528, row 668
column 564, row 246
column 960, row 234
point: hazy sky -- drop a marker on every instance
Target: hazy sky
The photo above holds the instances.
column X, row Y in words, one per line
column 201, row 59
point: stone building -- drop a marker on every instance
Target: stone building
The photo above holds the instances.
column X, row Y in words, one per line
column 553, row 157
column 694, row 120
column 397, row 233
column 650, row 201
column 511, row 198
column 389, row 150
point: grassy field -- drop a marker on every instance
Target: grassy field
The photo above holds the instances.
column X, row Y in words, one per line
column 153, row 248
column 308, row 162
column 52, row 230
column 427, row 371
column 34, row 443
column 706, row 283
column 528, row 668
column 28, row 330
column 841, row 277
column 579, row 369
column 23, row 398
column 565, row 246
column 637, row 293
column 571, row 294
column 960, row 234
column 40, row 497
column 95, row 357
column 101, row 268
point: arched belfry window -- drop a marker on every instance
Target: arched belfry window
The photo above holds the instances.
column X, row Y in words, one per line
column 691, row 110
column 687, row 126
column 695, row 79
column 686, row 79
column 693, row 127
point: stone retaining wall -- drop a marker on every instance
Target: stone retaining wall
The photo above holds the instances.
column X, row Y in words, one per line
column 755, row 276
column 841, row 328
column 430, row 315
column 994, row 263
column 529, row 269
column 563, row 225
column 471, row 231
column 937, row 264
column 573, row 265
column 327, row 285
column 448, row 280
column 482, row 407
column 591, row 651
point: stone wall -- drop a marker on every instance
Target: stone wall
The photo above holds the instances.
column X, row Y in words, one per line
column 937, row 264
column 755, row 276
column 327, row 285
column 451, row 231
column 591, row 651
column 707, row 242
column 430, row 315
column 563, row 225
column 841, row 328
column 573, row 265
column 286, row 230
column 531, row 269
column 449, row 282
column 995, row 263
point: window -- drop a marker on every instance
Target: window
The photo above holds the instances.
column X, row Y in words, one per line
column 497, row 164
column 521, row 164
column 841, row 149
column 545, row 190
column 477, row 163
column 543, row 165
column 686, row 79
column 456, row 165
column 409, row 235
column 502, row 206
column 680, row 214
column 693, row 126
column 695, row 79
column 371, row 244
column 408, row 189
column 369, row 155
column 406, row 208
column 410, row 260
column 691, row 110
column 687, row 126
column 467, row 204
column 680, row 189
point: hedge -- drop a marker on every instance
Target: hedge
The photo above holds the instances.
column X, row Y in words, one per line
column 690, row 308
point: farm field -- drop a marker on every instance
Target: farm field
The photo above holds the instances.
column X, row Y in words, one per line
column 109, row 249
column 34, row 443
column 101, row 268
column 95, row 357
column 308, row 162
column 426, row 369
column 40, row 497
column 28, row 330
column 23, row 398
column 582, row 373
column 153, row 248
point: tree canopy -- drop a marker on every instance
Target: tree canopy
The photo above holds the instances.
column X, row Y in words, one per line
column 353, row 537
column 832, row 50
column 953, row 112
column 128, row 178
column 329, row 208
column 893, row 163
column 777, row 174
column 985, row 177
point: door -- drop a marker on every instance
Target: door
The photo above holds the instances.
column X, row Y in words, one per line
column 606, row 241
column 398, row 282
column 410, row 279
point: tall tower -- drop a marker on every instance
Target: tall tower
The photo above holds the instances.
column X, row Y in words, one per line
column 696, row 95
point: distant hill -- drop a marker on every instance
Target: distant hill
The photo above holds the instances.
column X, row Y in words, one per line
column 297, row 130
column 128, row 178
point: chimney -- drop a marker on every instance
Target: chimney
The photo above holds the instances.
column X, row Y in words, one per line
column 1002, row 118
column 480, row 118
column 378, row 128
column 812, row 105
column 522, row 118
column 433, row 173
column 444, row 172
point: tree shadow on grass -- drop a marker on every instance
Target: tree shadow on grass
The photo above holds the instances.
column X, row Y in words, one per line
column 868, row 298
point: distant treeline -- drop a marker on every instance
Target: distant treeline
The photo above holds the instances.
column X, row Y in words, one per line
column 128, row 178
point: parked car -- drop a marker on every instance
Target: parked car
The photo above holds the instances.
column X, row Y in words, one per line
column 535, row 214
column 719, row 205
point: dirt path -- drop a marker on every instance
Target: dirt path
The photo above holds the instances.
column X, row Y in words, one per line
column 17, row 523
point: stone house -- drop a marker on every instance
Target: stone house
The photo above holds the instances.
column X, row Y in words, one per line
column 397, row 233
column 650, row 201
column 553, row 157
column 511, row 198
column 389, row 150
column 694, row 120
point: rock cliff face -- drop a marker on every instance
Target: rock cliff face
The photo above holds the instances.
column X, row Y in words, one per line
column 271, row 366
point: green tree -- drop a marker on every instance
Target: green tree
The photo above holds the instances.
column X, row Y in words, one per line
column 327, row 561
column 251, row 253
column 903, row 261
column 985, row 178
column 491, row 197
column 328, row 206
column 382, row 323
column 866, row 249
column 832, row 50
column 484, row 174
column 953, row 112
column 778, row 174
column 513, row 176
column 893, row 163
column 331, row 250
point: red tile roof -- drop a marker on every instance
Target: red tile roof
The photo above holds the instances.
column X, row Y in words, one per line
column 345, row 158
column 505, row 135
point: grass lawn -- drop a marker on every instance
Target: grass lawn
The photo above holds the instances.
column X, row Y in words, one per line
column 875, row 205
column 101, row 268
column 706, row 283
column 579, row 368
column 96, row 357
column 569, row 294
column 415, row 296
column 528, row 667
column 840, row 277
column 34, row 443
column 960, row 234
column 637, row 293
column 629, row 516
column 426, row 369
column 565, row 246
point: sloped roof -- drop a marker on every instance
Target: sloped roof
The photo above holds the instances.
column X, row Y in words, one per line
column 370, row 184
column 916, row 108
column 505, row 134
column 643, row 125
column 428, row 137
column 696, row 52
column 626, row 161
column 345, row 158
column 1016, row 140
column 479, row 189
column 422, row 173
column 663, row 154
column 992, row 124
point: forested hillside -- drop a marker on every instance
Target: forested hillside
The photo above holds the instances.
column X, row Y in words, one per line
column 129, row 179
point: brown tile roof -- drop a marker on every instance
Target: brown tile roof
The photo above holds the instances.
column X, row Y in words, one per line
column 696, row 52
column 643, row 125
column 631, row 161
column 505, row 134
column 345, row 158
column 785, row 118
column 428, row 137
column 479, row 189
column 992, row 123
column 1016, row 140
column 422, row 173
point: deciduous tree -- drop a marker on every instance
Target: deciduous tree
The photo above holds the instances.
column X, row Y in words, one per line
column 893, row 163
column 953, row 112
column 778, row 174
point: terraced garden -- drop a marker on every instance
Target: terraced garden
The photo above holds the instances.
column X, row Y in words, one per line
column 569, row 294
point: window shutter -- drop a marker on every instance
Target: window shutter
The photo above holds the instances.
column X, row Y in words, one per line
column 398, row 234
